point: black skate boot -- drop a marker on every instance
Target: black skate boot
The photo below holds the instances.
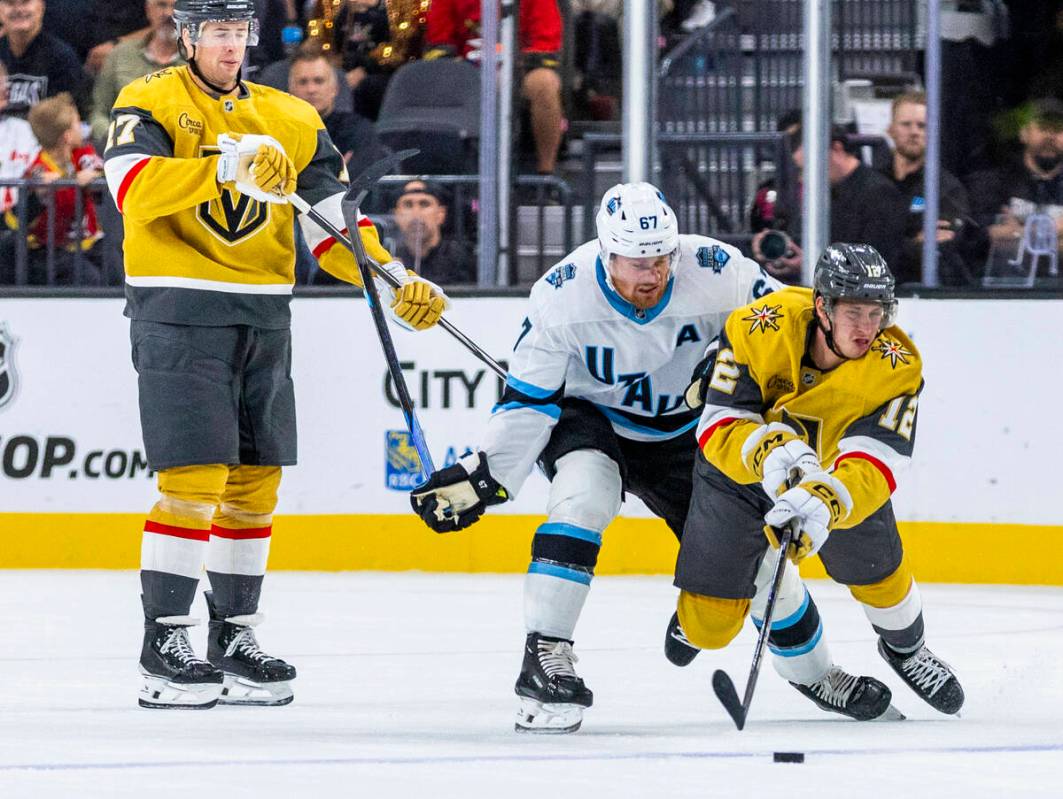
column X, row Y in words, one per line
column 251, row 676
column 860, row 698
column 173, row 676
column 928, row 675
column 552, row 697
column 677, row 648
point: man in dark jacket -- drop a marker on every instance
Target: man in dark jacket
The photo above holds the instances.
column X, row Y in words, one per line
column 865, row 207
column 960, row 240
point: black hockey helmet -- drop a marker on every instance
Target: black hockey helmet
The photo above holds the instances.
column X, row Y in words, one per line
column 855, row 272
column 191, row 14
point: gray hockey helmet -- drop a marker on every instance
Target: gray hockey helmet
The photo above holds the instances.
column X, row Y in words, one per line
column 191, row 14
column 855, row 272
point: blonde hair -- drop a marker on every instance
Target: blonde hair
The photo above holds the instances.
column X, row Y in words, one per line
column 51, row 118
column 914, row 98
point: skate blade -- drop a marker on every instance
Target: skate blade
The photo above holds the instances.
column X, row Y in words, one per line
column 241, row 691
column 160, row 693
column 540, row 718
column 891, row 714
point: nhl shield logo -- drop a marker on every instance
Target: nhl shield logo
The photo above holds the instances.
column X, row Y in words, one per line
column 8, row 375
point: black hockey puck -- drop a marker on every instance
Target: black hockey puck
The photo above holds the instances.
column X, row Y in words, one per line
column 789, row 757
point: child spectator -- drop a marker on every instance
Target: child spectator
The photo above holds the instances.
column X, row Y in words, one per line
column 64, row 154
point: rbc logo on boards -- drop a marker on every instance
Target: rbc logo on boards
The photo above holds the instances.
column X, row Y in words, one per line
column 402, row 464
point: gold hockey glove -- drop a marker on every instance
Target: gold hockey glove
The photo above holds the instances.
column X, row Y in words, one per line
column 418, row 305
column 272, row 171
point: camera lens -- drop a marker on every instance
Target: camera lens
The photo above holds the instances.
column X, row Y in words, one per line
column 774, row 244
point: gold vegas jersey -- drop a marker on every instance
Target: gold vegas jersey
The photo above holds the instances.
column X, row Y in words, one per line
column 859, row 416
column 197, row 253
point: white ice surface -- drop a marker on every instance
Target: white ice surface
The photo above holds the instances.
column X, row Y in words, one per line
column 405, row 690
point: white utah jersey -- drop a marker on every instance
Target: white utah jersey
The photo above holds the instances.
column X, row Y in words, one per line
column 582, row 339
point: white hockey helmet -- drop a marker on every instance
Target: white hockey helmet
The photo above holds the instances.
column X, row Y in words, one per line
column 634, row 220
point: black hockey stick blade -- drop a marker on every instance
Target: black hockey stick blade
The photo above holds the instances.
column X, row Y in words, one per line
column 728, row 696
column 362, row 184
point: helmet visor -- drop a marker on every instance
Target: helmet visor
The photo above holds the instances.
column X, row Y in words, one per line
column 222, row 32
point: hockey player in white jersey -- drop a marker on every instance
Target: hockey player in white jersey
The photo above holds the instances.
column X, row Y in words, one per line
column 595, row 396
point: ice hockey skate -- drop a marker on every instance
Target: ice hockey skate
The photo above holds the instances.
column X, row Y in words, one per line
column 860, row 698
column 173, row 676
column 552, row 697
column 927, row 675
column 677, row 648
column 251, row 676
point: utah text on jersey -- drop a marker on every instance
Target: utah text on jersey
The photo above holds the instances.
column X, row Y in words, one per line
column 582, row 339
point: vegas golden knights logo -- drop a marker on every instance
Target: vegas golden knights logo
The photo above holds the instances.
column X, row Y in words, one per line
column 232, row 217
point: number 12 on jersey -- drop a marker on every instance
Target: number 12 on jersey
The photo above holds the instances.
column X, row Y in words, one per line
column 900, row 423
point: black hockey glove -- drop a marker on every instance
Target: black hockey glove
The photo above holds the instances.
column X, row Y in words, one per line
column 694, row 396
column 455, row 497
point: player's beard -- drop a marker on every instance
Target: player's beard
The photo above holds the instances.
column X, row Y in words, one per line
column 646, row 298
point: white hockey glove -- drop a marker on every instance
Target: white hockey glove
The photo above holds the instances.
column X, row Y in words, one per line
column 761, row 442
column 257, row 165
column 456, row 497
column 781, row 463
column 816, row 505
column 418, row 304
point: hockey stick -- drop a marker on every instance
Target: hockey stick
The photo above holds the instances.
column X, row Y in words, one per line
column 361, row 185
column 349, row 206
column 721, row 682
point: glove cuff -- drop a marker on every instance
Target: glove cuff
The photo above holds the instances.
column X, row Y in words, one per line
column 763, row 440
column 832, row 493
column 489, row 490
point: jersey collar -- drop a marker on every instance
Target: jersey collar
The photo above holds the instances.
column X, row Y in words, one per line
column 625, row 308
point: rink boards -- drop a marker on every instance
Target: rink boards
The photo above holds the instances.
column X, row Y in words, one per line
column 978, row 505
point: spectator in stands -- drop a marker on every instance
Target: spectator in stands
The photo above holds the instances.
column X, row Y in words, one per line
column 865, row 208
column 313, row 78
column 64, row 154
column 420, row 213
column 94, row 27
column 363, row 32
column 114, row 21
column 453, row 29
column 18, row 147
column 1031, row 183
column 278, row 74
column 134, row 58
column 273, row 17
column 38, row 64
column 955, row 226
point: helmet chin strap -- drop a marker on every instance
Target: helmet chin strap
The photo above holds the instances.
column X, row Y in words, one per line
column 212, row 86
column 828, row 334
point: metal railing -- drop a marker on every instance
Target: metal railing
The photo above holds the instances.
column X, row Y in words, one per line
column 15, row 253
column 544, row 225
column 747, row 64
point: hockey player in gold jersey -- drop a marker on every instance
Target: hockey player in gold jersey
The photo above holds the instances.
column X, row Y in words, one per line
column 201, row 164
column 819, row 384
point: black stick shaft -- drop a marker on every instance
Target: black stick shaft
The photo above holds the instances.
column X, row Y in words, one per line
column 765, row 628
column 444, row 323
